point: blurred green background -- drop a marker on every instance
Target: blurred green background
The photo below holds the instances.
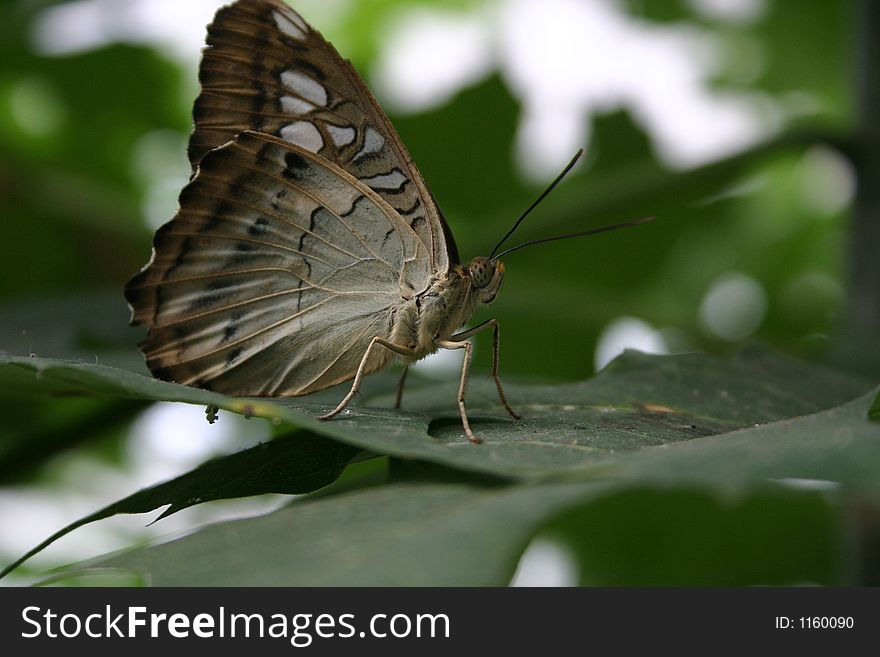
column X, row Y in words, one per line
column 745, row 126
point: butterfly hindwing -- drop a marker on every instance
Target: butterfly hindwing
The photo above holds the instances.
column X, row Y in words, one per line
column 271, row 279
column 265, row 69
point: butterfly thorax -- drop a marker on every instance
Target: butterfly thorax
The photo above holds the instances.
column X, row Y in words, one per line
column 446, row 305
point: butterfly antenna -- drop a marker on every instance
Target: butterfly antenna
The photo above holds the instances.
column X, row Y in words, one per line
column 543, row 195
column 592, row 231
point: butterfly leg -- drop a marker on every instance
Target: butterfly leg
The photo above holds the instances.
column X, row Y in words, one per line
column 400, row 386
column 465, row 369
column 355, row 386
column 464, row 335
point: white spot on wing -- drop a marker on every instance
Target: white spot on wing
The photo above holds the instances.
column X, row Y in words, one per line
column 296, row 105
column 303, row 134
column 304, row 87
column 391, row 180
column 296, row 18
column 292, row 25
column 341, row 136
column 373, row 143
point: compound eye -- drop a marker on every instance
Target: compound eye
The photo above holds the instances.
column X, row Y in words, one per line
column 482, row 271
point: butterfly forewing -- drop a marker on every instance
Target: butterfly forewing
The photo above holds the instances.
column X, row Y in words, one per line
column 274, row 275
column 266, row 69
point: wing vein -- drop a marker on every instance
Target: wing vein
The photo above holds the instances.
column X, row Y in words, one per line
column 304, row 192
column 234, row 201
column 251, row 240
column 219, row 274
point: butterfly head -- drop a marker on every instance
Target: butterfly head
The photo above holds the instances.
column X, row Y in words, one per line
column 486, row 276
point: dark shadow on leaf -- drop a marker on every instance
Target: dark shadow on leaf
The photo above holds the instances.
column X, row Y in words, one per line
column 449, row 428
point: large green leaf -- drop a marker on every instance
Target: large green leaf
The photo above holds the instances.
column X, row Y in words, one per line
column 836, row 448
column 637, row 402
column 401, row 534
column 789, row 502
column 643, row 421
column 648, row 422
column 434, row 534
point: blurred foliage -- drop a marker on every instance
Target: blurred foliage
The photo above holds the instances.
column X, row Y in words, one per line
column 88, row 142
column 69, row 127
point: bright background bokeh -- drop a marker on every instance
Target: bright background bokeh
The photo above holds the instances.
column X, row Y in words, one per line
column 724, row 118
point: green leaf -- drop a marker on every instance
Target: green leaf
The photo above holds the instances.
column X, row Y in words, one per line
column 637, row 402
column 643, row 421
column 395, row 535
column 420, row 534
column 874, row 411
column 294, row 464
column 650, row 536
column 835, row 449
column 26, row 378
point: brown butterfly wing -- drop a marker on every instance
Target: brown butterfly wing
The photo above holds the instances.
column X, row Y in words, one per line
column 265, row 69
column 269, row 281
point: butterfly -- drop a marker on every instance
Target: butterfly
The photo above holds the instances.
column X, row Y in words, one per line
column 307, row 250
